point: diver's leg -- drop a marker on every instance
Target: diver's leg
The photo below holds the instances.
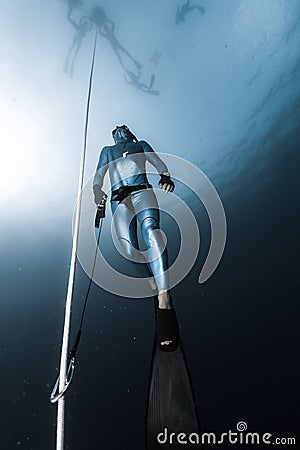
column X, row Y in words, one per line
column 118, row 56
column 120, row 47
column 146, row 207
column 125, row 224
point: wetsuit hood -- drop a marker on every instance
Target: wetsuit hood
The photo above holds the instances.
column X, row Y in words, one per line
column 122, row 134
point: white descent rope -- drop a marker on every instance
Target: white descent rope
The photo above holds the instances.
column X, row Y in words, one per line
column 60, row 429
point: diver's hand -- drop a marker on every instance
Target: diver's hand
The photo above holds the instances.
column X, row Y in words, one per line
column 99, row 196
column 166, row 183
column 101, row 210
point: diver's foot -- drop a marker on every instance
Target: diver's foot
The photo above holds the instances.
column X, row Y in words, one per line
column 167, row 333
column 164, row 299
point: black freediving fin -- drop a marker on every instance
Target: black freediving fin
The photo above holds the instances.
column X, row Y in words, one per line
column 171, row 405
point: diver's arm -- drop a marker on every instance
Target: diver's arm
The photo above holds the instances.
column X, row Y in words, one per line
column 153, row 157
column 102, row 167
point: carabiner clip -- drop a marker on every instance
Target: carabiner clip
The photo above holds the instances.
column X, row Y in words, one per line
column 54, row 397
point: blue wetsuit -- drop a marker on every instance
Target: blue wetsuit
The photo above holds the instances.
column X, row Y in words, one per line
column 126, row 162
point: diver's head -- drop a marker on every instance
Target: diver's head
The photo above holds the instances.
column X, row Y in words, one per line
column 122, row 134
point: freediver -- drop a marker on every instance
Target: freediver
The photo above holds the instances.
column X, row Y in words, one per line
column 185, row 9
column 82, row 28
column 134, row 205
column 134, row 80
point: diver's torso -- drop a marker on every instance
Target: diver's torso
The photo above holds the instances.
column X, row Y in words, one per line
column 126, row 164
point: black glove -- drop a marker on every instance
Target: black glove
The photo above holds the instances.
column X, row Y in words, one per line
column 166, row 180
column 100, row 200
column 100, row 214
column 99, row 196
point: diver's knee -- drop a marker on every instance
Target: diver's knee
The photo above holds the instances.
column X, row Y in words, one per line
column 127, row 247
column 149, row 223
column 152, row 234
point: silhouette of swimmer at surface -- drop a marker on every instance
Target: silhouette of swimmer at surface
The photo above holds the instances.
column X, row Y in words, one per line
column 135, row 209
column 134, row 80
column 107, row 29
column 185, row 9
column 82, row 28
